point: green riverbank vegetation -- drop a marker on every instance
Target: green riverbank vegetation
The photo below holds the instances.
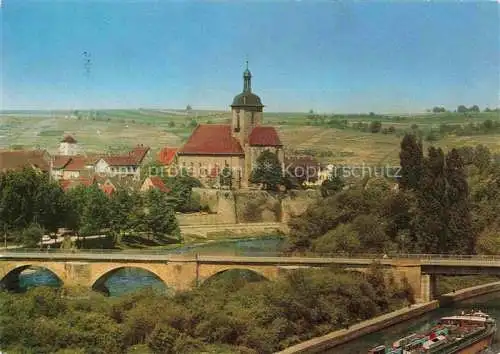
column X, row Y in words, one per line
column 227, row 314
column 442, row 203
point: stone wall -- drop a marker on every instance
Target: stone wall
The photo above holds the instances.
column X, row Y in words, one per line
column 296, row 202
column 246, row 206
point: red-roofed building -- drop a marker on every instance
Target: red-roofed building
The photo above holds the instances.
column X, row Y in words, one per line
column 154, row 182
column 167, row 156
column 212, row 147
column 18, row 159
column 123, row 165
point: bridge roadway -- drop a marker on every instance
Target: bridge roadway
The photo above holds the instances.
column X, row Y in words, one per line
column 183, row 271
column 431, row 263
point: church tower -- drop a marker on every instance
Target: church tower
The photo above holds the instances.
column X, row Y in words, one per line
column 246, row 110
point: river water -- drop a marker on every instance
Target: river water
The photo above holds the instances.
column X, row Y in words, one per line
column 131, row 279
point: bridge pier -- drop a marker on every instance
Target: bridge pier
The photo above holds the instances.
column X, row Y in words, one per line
column 428, row 287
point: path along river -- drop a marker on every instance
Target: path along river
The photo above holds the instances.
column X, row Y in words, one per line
column 131, row 279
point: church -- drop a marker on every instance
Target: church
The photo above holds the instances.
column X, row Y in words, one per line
column 212, row 147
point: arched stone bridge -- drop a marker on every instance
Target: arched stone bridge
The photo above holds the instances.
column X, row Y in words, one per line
column 183, row 272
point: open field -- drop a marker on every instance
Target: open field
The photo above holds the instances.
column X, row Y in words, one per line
column 337, row 142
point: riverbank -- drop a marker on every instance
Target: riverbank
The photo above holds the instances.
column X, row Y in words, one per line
column 468, row 293
column 339, row 337
column 320, row 344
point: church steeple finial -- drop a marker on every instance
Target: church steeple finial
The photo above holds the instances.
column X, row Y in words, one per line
column 247, row 79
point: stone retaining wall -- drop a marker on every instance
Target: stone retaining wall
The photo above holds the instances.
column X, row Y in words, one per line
column 468, row 293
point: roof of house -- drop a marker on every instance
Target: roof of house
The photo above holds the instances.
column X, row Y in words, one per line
column 157, row 182
column 77, row 163
column 19, row 159
column 60, row 161
column 139, row 152
column 264, row 136
column 212, row 139
column 67, row 184
column 120, row 160
column 107, row 188
column 166, row 155
column 125, row 182
column 68, row 139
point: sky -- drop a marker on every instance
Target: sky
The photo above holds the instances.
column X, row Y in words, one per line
column 342, row 57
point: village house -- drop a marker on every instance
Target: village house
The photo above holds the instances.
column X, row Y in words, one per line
column 15, row 160
column 154, row 182
column 124, row 165
column 212, row 147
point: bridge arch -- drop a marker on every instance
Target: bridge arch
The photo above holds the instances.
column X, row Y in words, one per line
column 99, row 279
column 209, row 271
column 9, row 275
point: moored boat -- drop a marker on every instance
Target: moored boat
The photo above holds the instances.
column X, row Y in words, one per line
column 469, row 333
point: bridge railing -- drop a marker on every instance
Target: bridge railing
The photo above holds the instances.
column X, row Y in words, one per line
column 249, row 253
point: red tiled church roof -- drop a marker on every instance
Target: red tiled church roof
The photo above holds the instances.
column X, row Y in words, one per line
column 264, row 136
column 166, row 155
column 208, row 139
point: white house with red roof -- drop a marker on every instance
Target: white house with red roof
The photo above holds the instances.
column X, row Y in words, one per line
column 212, row 147
column 123, row 165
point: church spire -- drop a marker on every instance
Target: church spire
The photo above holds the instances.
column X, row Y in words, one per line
column 247, row 80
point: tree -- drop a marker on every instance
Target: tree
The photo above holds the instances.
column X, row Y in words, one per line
column 226, row 177
column 32, row 236
column 268, row 171
column 375, row 126
column 430, row 222
column 461, row 238
column 332, row 185
column 462, row 109
column 438, row 109
column 474, row 109
column 411, row 161
column 160, row 217
column 121, row 207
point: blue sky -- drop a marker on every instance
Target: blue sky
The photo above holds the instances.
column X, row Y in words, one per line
column 321, row 55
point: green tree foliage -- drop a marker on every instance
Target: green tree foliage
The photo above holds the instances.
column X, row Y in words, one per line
column 226, row 177
column 430, row 222
column 461, row 238
column 160, row 218
column 32, row 236
column 121, row 208
column 270, row 315
column 375, row 126
column 332, row 185
column 411, row 160
column 268, row 171
column 181, row 187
